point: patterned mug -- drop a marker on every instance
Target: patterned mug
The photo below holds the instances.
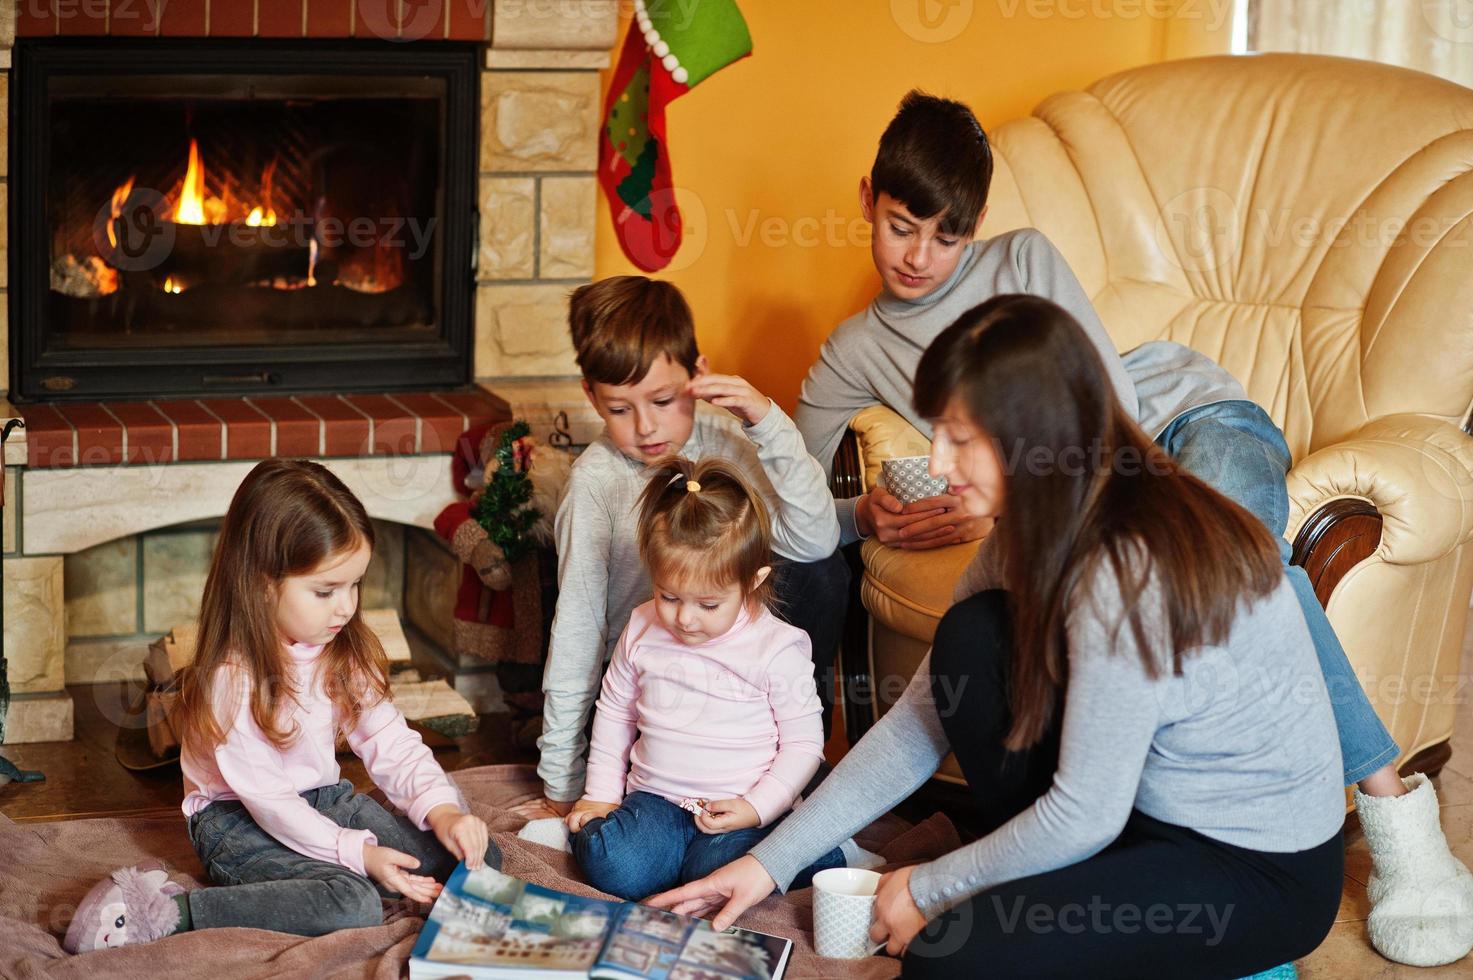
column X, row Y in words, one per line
column 843, row 910
column 908, row 479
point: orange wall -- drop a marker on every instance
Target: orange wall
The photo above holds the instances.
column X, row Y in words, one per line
column 768, row 153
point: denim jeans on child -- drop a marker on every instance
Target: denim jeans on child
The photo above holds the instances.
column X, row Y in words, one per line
column 650, row 845
column 1237, row 449
column 274, row 887
column 814, row 597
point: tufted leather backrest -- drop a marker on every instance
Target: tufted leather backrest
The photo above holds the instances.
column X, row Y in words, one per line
column 1306, row 221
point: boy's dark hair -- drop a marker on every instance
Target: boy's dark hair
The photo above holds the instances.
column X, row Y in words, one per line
column 620, row 325
column 934, row 158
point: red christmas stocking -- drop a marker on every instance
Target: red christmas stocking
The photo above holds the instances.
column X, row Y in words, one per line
column 671, row 48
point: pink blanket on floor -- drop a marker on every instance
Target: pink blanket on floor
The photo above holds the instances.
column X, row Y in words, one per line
column 46, row 868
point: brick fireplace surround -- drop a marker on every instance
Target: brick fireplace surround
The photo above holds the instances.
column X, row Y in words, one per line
column 109, row 507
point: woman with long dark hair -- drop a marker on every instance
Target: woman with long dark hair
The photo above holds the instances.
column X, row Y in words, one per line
column 1127, row 682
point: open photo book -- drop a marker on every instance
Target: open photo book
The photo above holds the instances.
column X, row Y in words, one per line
column 487, row 924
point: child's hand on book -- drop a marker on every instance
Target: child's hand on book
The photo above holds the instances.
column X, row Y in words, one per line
column 585, row 810
column 391, row 868
column 732, row 393
column 724, row 816
column 463, row 835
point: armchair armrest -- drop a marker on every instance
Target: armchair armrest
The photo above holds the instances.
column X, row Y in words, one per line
column 1400, row 488
column 848, row 471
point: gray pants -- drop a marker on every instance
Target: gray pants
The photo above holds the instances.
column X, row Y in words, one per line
column 273, row 887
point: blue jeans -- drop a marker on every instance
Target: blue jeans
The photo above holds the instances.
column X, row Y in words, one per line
column 650, row 845
column 271, row 886
column 1237, row 449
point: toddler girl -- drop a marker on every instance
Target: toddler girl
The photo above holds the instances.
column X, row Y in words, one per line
column 708, row 724
column 284, row 668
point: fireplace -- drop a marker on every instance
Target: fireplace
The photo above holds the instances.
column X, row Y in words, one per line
column 108, row 481
column 224, row 217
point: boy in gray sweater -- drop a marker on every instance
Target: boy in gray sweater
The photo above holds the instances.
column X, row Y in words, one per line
column 926, row 197
column 635, row 344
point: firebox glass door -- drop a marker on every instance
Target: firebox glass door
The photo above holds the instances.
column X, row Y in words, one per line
column 245, row 221
column 250, row 215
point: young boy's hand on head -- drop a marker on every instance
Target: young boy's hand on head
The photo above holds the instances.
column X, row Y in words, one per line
column 724, row 816
column 464, row 836
column 585, row 810
column 732, row 393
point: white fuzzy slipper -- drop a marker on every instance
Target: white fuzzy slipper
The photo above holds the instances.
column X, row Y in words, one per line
column 549, row 832
column 857, row 857
column 1421, row 894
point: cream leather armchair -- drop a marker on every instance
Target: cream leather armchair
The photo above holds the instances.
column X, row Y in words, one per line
column 1308, row 222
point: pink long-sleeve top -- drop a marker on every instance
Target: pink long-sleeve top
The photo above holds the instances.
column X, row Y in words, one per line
column 269, row 781
column 735, row 717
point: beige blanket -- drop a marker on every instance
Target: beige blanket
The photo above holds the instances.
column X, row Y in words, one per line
column 46, row 868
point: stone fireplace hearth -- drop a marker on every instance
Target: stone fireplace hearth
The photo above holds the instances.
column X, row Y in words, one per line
column 110, row 507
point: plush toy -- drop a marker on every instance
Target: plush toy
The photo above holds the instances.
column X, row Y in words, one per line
column 503, row 533
column 132, row 905
column 515, row 485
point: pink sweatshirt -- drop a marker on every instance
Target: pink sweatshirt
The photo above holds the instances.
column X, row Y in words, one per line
column 248, row 768
column 734, row 717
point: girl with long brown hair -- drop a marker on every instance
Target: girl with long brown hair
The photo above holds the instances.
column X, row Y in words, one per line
column 284, row 669
column 1127, row 682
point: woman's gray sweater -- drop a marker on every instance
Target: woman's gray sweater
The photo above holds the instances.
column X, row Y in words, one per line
column 1241, row 747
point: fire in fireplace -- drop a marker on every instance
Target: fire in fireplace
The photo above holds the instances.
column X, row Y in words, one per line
column 219, row 217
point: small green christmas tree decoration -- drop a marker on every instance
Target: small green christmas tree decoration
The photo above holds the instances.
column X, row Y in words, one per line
column 503, row 509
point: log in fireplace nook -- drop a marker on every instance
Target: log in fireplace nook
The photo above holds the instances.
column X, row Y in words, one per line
column 224, row 217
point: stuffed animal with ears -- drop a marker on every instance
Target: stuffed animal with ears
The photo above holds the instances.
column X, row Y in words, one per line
column 131, row 905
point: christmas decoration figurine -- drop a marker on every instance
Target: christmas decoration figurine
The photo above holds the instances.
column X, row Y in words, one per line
column 671, row 48
column 515, row 485
column 503, row 533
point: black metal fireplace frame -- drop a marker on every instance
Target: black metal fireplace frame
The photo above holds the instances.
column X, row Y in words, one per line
column 148, row 372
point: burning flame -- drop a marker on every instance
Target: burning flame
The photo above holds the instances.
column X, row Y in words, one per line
column 120, row 197
column 366, row 270
column 191, row 207
column 257, row 217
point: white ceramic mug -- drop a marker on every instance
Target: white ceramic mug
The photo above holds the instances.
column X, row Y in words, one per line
column 843, row 911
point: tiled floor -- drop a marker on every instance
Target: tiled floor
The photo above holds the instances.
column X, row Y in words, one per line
column 1347, row 952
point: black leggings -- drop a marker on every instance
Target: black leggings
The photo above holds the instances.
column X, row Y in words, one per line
column 1160, row 901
